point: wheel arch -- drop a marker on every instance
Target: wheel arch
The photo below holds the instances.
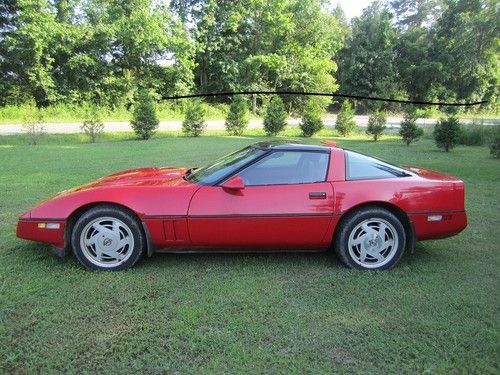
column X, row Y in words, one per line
column 397, row 211
column 77, row 213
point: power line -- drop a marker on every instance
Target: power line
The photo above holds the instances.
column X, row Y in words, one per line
column 330, row 94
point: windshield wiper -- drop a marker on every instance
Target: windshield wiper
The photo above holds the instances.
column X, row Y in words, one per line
column 188, row 173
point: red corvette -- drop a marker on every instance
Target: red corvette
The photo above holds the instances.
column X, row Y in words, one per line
column 268, row 196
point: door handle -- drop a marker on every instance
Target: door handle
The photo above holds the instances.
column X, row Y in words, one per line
column 317, row 195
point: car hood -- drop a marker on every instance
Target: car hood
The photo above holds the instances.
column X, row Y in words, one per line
column 165, row 176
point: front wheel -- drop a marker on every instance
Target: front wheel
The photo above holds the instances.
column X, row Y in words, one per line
column 370, row 239
column 107, row 238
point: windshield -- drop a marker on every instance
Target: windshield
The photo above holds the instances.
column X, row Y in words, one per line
column 224, row 166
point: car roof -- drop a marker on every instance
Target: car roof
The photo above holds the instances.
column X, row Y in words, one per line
column 284, row 145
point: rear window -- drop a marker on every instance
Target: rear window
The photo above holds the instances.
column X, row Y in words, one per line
column 362, row 167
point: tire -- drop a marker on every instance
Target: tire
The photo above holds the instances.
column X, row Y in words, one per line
column 370, row 239
column 107, row 238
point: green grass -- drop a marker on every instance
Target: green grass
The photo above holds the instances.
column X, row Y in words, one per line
column 436, row 312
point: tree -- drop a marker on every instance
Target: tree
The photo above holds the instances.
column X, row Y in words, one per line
column 366, row 63
column 447, row 132
column 93, row 125
column 266, row 45
column 194, row 120
column 33, row 125
column 409, row 131
column 312, row 121
column 275, row 116
column 145, row 121
column 411, row 14
column 417, row 71
column 376, row 125
column 345, row 123
column 238, row 117
column 466, row 45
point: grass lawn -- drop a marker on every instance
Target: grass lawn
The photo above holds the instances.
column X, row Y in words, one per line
column 436, row 312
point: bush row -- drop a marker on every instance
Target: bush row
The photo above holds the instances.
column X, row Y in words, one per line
column 447, row 133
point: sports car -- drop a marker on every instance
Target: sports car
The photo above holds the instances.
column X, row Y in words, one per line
column 266, row 197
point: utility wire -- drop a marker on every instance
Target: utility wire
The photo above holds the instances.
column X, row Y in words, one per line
column 333, row 94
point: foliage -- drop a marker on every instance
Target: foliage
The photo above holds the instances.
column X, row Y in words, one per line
column 194, row 120
column 495, row 146
column 476, row 134
column 367, row 60
column 238, row 117
column 33, row 126
column 466, row 45
column 410, row 131
column 93, row 125
column 447, row 132
column 376, row 125
column 60, row 52
column 275, row 116
column 312, row 118
column 145, row 120
column 266, row 45
column 345, row 123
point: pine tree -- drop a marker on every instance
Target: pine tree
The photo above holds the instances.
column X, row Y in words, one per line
column 275, row 116
column 238, row 117
column 447, row 132
column 345, row 123
column 376, row 125
column 194, row 120
column 409, row 131
column 145, row 120
column 312, row 121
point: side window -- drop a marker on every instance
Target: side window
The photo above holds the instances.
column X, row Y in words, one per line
column 362, row 167
column 287, row 167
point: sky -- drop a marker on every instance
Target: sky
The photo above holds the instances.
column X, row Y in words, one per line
column 352, row 8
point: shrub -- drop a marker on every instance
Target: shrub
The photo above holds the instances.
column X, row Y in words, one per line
column 238, row 117
column 145, row 120
column 476, row 135
column 33, row 126
column 409, row 131
column 311, row 118
column 376, row 125
column 93, row 125
column 345, row 123
column 495, row 143
column 447, row 132
column 194, row 120
column 275, row 116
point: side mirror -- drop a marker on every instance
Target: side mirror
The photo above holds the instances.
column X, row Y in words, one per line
column 234, row 183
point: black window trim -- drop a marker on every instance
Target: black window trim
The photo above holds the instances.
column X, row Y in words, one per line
column 271, row 151
column 405, row 172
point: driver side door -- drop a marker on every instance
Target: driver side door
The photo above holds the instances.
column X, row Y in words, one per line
column 285, row 203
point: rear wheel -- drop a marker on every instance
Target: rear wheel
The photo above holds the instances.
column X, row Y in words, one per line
column 107, row 238
column 372, row 239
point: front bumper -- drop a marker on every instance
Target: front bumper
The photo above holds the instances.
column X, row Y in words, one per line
column 38, row 230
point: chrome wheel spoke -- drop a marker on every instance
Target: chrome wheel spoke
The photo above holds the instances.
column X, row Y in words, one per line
column 386, row 244
column 359, row 240
column 92, row 240
column 102, row 229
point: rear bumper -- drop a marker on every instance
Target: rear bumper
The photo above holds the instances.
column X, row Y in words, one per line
column 38, row 230
column 428, row 228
